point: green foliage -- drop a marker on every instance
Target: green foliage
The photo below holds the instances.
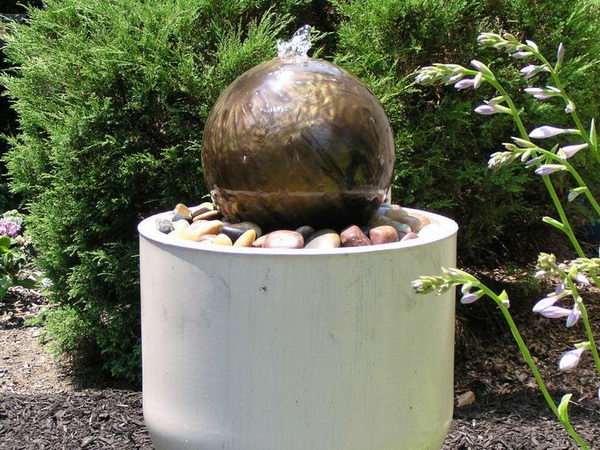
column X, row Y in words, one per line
column 441, row 146
column 112, row 96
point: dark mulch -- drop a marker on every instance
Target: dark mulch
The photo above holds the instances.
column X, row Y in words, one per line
column 508, row 411
column 109, row 419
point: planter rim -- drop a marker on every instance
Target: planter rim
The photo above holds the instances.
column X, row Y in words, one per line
column 443, row 229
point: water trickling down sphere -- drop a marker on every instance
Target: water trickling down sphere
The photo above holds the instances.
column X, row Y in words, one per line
column 298, row 141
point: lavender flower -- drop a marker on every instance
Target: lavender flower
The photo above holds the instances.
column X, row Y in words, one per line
column 9, row 228
column 543, row 93
column 573, row 316
column 570, row 107
column 555, row 312
column 532, row 70
column 464, row 84
column 570, row 150
column 547, row 169
column 560, row 54
column 547, row 131
column 570, row 359
column 533, row 161
column 481, row 67
column 470, row 297
column 521, row 55
column 574, row 193
column 488, row 110
column 545, row 303
column 500, row 159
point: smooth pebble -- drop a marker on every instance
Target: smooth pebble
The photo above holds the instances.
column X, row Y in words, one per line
column 222, row 239
column 246, row 239
column 324, row 239
column 383, row 234
column 354, row 237
column 284, row 239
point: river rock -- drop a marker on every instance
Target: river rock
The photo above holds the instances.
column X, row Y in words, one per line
column 199, row 229
column 354, row 237
column 414, row 223
column 395, row 212
column 306, row 231
column 237, row 229
column 284, row 239
column 424, row 220
column 181, row 212
column 208, row 215
column 222, row 239
column 164, row 225
column 181, row 233
column 260, row 241
column 233, row 232
column 246, row 239
column 324, row 239
column 383, row 234
column 201, row 209
column 409, row 236
column 181, row 223
column 206, row 237
column 401, row 228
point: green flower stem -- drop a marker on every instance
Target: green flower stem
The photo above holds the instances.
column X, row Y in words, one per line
column 575, row 175
column 586, row 322
column 568, row 230
column 533, row 367
column 559, row 84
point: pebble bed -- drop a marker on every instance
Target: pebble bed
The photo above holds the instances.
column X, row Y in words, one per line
column 205, row 224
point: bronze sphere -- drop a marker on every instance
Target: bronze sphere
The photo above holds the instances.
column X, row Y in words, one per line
column 298, row 141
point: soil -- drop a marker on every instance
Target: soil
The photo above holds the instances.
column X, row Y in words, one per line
column 45, row 405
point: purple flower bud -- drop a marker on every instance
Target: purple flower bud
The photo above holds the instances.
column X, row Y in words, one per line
column 9, row 228
column 485, row 110
column 555, row 312
column 560, row 53
column 580, row 278
column 570, row 359
column 481, row 67
column 470, row 297
column 570, row 150
column 570, row 107
column 521, row 55
column 543, row 93
column 573, row 316
column 547, row 131
column 532, row 44
column 533, row 161
column 532, row 70
column 465, row 83
column 547, row 169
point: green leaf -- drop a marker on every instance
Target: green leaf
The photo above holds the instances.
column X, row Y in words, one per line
column 563, row 411
column 27, row 283
column 555, row 223
column 503, row 295
column 593, row 136
column 5, row 241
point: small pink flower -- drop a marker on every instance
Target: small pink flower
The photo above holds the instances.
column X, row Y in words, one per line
column 9, row 228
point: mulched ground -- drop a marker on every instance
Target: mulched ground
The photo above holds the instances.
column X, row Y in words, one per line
column 42, row 408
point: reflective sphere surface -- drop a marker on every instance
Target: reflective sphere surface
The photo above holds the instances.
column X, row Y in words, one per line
column 298, row 141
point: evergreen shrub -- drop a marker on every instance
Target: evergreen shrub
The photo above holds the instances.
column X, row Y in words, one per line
column 112, row 96
column 440, row 143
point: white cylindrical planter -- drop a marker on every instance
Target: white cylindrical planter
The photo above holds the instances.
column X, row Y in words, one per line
column 268, row 349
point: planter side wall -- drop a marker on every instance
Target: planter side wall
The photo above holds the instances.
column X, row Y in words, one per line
column 296, row 352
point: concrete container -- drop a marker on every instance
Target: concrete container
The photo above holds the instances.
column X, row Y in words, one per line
column 265, row 349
